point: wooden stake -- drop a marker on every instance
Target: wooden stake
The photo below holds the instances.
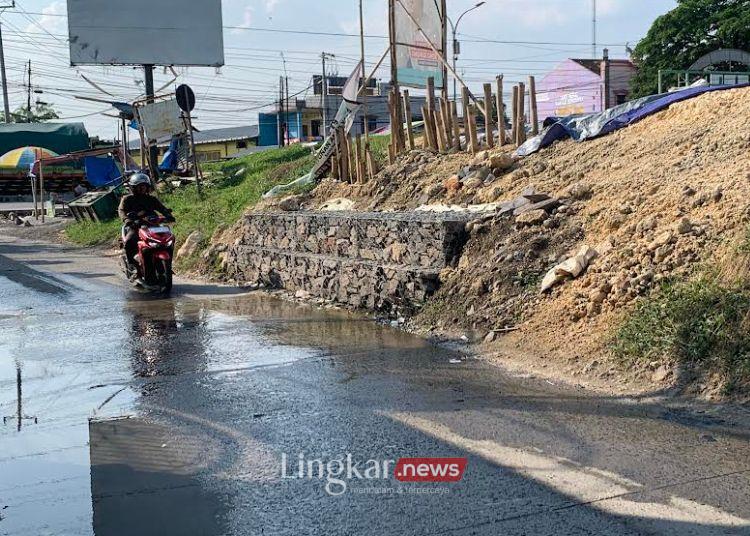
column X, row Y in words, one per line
column 440, row 128
column 522, row 112
column 345, row 166
column 409, row 127
column 358, row 158
column 363, row 161
column 473, row 130
column 391, row 156
column 515, row 115
column 372, row 166
column 533, row 107
column 456, row 128
column 465, row 104
column 445, row 113
column 489, row 124
column 500, row 111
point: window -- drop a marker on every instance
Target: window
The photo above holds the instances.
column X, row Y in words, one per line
column 242, row 144
column 304, row 131
column 621, row 98
column 372, row 123
column 208, row 156
column 315, row 128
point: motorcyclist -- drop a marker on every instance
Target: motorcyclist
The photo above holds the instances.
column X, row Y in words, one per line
column 134, row 207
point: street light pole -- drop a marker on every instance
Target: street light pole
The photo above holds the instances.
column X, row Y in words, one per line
column 457, row 45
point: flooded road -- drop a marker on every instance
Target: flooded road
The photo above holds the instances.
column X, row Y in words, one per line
column 220, row 413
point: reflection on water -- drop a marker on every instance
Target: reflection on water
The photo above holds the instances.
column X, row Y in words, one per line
column 145, row 481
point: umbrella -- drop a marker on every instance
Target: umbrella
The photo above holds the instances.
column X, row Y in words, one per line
column 24, row 157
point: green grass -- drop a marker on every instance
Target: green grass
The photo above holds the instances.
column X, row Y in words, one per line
column 702, row 322
column 225, row 197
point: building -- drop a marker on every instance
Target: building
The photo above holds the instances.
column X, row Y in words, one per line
column 576, row 86
column 213, row 144
column 305, row 116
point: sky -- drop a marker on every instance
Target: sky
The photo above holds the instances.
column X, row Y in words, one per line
column 515, row 38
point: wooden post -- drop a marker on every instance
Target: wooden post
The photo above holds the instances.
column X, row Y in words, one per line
column 357, row 158
column 489, row 124
column 456, row 128
column 532, row 106
column 41, row 188
column 522, row 112
column 514, row 119
column 473, row 130
column 372, row 167
column 394, row 121
column 445, row 108
column 430, row 141
column 363, row 161
column 440, row 129
column 346, row 174
column 465, row 104
column 400, row 142
column 391, row 156
column 335, row 166
column 500, row 111
column 409, row 128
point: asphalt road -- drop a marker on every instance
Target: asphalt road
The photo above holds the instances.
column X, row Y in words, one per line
column 190, row 415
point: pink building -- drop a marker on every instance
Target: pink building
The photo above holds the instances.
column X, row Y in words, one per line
column 576, row 86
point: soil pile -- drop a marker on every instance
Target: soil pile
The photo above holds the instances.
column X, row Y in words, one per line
column 655, row 201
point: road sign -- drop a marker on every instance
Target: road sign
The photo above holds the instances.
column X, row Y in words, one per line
column 185, row 98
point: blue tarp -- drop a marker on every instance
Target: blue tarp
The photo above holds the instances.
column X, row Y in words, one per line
column 587, row 126
column 101, row 170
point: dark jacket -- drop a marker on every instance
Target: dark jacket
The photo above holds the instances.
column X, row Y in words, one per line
column 140, row 203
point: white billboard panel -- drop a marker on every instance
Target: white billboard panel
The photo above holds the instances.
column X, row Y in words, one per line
column 416, row 61
column 146, row 32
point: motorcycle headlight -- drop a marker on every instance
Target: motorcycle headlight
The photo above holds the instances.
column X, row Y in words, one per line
column 153, row 243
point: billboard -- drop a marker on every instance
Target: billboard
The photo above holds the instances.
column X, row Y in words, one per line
column 146, row 32
column 415, row 60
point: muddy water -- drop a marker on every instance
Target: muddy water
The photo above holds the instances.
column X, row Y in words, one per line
column 188, row 416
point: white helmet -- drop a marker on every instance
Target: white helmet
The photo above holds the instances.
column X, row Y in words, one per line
column 137, row 179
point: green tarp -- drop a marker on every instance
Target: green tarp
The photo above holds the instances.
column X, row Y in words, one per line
column 58, row 137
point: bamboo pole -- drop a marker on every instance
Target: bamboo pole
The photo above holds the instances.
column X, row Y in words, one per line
column 489, row 124
column 409, row 127
column 500, row 111
column 533, row 106
column 473, row 130
column 456, row 128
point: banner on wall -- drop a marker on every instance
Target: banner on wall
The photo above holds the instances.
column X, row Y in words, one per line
column 415, row 60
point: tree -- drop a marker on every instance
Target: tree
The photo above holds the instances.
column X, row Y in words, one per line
column 679, row 38
column 40, row 113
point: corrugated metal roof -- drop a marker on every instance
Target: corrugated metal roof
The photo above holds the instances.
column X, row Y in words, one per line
column 214, row 135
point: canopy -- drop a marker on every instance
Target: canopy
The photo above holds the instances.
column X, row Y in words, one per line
column 58, row 137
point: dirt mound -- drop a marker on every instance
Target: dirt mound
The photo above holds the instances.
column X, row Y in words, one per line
column 655, row 200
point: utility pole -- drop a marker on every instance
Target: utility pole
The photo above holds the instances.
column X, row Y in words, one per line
column 6, row 104
column 152, row 151
column 279, row 124
column 286, row 99
column 593, row 29
column 28, row 97
column 324, row 93
column 607, row 81
column 365, row 126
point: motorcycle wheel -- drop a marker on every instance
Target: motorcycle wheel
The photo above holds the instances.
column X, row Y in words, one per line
column 164, row 275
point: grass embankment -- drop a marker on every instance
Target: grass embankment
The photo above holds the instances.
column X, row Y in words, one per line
column 232, row 187
column 703, row 323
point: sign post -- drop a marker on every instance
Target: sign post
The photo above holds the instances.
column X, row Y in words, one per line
column 186, row 102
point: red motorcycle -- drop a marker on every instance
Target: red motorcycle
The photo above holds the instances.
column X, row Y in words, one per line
column 153, row 262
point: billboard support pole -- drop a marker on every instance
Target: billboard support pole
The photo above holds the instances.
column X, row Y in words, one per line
column 435, row 50
column 153, row 154
column 444, row 28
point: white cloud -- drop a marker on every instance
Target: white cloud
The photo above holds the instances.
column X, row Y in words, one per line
column 271, row 5
column 247, row 20
column 50, row 19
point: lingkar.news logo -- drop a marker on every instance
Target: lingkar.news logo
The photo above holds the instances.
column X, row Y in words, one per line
column 338, row 472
